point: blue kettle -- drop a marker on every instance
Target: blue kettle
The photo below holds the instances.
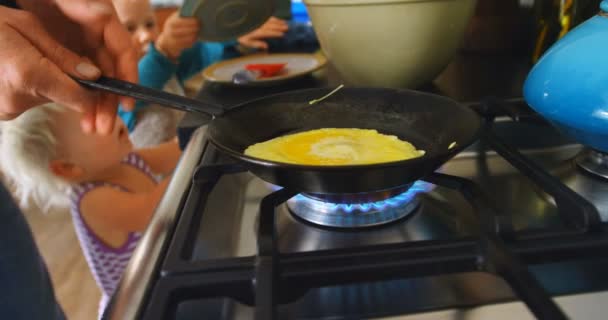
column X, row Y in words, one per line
column 569, row 84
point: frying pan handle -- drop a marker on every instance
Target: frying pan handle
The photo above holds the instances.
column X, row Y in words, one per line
column 129, row 89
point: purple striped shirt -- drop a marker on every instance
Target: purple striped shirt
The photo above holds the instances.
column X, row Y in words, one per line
column 106, row 263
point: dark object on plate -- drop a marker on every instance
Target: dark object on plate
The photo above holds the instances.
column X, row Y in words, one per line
column 433, row 123
column 245, row 76
column 256, row 71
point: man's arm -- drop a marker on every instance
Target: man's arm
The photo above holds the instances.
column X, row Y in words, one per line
column 48, row 42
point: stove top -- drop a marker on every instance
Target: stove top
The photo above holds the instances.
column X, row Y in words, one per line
column 513, row 218
column 501, row 226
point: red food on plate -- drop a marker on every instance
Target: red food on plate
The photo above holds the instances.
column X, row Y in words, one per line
column 266, row 69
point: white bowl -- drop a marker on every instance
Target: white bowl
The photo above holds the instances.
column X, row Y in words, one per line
column 389, row 43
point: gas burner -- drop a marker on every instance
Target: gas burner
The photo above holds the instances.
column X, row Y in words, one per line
column 594, row 162
column 378, row 207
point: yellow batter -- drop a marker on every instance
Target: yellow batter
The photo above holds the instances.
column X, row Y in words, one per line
column 334, row 147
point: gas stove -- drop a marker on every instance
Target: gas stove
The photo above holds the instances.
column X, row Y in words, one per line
column 511, row 228
column 495, row 233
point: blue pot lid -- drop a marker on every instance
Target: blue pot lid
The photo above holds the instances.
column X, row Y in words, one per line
column 568, row 84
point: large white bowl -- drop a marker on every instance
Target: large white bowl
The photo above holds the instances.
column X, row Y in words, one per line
column 390, row 43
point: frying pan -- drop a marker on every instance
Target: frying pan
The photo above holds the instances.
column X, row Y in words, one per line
column 432, row 123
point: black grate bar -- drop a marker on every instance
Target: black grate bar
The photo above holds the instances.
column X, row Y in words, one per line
column 266, row 227
column 560, row 248
column 169, row 291
column 576, row 211
column 204, row 180
column 496, row 258
column 378, row 262
column 305, row 270
column 500, row 261
column 185, row 266
column 492, row 220
column 214, row 171
column 515, row 108
column 182, row 242
column 423, row 258
column 266, row 270
column 573, row 208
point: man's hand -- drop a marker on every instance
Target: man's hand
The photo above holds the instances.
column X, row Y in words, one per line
column 49, row 41
column 272, row 28
column 179, row 33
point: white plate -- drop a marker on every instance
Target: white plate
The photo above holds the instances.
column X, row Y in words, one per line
column 298, row 64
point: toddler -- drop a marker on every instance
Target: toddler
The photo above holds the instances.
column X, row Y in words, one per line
column 111, row 188
column 170, row 57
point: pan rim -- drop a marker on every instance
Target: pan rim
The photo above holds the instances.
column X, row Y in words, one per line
column 236, row 107
column 241, row 156
column 269, row 163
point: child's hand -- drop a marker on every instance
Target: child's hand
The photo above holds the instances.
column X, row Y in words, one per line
column 273, row 28
column 178, row 34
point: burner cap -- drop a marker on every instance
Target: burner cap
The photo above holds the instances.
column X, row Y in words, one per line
column 594, row 162
column 319, row 209
column 353, row 198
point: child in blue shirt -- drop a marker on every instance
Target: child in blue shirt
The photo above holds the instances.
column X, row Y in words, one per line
column 170, row 57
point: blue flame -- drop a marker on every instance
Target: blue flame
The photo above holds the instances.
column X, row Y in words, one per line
column 394, row 202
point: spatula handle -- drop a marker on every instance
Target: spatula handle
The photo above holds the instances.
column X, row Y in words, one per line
column 129, row 89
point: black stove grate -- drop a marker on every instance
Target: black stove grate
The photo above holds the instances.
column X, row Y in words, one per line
column 272, row 278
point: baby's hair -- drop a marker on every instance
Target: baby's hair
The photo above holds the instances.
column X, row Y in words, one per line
column 27, row 146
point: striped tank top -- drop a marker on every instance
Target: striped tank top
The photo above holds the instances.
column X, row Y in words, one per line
column 106, row 263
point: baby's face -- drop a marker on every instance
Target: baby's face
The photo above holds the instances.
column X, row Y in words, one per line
column 138, row 17
column 91, row 152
